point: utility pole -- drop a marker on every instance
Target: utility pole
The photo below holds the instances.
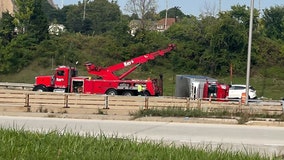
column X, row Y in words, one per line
column 84, row 14
column 249, row 50
column 62, row 3
column 166, row 18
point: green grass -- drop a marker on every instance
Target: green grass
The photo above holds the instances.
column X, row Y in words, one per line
column 241, row 116
column 53, row 145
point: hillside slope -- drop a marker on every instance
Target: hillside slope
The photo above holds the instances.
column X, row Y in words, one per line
column 6, row 5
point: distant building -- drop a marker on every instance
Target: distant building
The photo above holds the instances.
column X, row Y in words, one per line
column 56, row 29
column 165, row 23
column 159, row 26
column 134, row 25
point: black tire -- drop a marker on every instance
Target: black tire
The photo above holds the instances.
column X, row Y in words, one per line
column 127, row 93
column 40, row 88
column 111, row 92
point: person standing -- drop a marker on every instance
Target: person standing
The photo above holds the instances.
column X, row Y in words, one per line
column 140, row 90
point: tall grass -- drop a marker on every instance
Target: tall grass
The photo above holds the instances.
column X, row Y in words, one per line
column 54, row 145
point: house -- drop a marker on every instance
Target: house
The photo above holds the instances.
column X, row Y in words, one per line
column 134, row 25
column 56, row 29
column 165, row 23
column 159, row 26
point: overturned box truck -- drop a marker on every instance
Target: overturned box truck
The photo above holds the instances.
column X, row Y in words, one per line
column 200, row 87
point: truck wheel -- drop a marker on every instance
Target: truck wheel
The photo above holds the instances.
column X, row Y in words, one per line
column 40, row 89
column 111, row 92
column 127, row 93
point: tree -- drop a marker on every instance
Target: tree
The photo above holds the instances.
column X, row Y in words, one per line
column 73, row 19
column 100, row 16
column 141, row 8
column 210, row 10
column 38, row 25
column 7, row 28
column 228, row 42
column 174, row 12
column 242, row 15
column 189, row 36
column 273, row 19
column 52, row 13
column 24, row 11
column 105, row 15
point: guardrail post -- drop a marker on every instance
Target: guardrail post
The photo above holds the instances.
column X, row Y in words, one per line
column 146, row 102
column 187, row 103
column 106, row 102
column 27, row 102
column 199, row 104
column 283, row 105
column 66, row 101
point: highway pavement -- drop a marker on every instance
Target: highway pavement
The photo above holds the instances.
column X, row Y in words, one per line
column 262, row 139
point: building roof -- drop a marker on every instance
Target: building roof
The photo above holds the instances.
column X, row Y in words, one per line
column 170, row 21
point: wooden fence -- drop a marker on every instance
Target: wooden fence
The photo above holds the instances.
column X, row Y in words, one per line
column 50, row 102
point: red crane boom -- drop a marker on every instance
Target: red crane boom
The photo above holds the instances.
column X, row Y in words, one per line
column 107, row 73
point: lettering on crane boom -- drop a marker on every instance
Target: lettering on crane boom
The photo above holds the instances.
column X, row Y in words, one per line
column 128, row 63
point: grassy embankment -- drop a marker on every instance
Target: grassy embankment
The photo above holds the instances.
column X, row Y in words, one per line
column 53, row 145
column 267, row 88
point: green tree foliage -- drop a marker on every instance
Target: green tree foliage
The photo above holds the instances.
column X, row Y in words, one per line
column 38, row 25
column 227, row 45
column 188, row 36
column 17, row 54
column 106, row 15
column 95, row 17
column 7, row 28
column 19, row 50
column 74, row 18
column 273, row 20
column 173, row 12
column 6, row 36
column 52, row 14
column 24, row 11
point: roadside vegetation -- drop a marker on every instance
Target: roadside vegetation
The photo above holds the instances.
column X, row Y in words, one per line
column 241, row 116
column 28, row 145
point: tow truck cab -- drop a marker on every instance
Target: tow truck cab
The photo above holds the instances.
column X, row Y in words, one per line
column 60, row 81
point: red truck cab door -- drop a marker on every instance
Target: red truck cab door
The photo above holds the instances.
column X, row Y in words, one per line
column 61, row 78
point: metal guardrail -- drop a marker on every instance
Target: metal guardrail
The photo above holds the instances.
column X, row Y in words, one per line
column 28, row 87
column 52, row 102
column 22, row 86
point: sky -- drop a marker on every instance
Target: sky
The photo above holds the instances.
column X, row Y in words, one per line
column 194, row 7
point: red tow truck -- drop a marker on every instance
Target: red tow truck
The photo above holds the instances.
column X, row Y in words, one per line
column 66, row 78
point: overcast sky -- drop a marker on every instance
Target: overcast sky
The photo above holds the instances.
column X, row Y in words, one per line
column 194, row 7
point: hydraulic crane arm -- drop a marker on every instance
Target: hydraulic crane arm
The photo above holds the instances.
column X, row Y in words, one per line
column 108, row 72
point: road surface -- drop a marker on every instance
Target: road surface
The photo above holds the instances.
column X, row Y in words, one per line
column 265, row 140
